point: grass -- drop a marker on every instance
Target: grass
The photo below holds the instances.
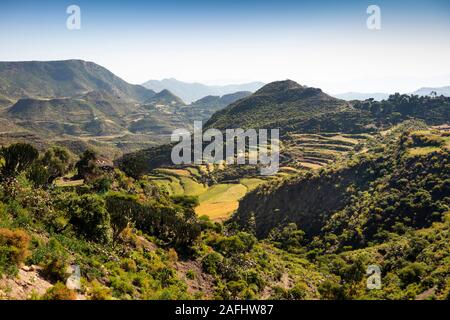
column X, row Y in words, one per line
column 220, row 200
column 309, row 165
column 420, row 151
column 68, row 183
column 191, row 187
column 171, row 184
column 251, row 183
column 175, row 172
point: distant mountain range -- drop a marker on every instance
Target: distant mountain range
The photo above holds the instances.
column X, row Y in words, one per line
column 80, row 104
column 425, row 91
column 361, row 96
column 191, row 92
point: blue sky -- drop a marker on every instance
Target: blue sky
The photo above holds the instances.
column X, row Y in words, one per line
column 317, row 43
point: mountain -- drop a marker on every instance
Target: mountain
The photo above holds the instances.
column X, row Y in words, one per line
column 205, row 107
column 280, row 104
column 378, row 96
column 361, row 96
column 167, row 98
column 191, row 92
column 221, row 101
column 63, row 116
column 426, row 91
column 4, row 101
column 295, row 108
column 67, row 78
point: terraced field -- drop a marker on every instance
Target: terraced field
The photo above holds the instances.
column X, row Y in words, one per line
column 218, row 201
column 313, row 151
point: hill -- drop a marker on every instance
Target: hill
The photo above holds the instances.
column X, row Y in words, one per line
column 385, row 188
column 191, row 92
column 67, row 78
column 281, row 104
column 205, row 107
column 165, row 98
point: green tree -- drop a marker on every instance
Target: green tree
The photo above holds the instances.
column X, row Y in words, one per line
column 86, row 166
column 122, row 208
column 57, row 162
column 17, row 157
column 89, row 217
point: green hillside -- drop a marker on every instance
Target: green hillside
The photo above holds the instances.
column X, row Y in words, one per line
column 276, row 105
column 399, row 182
column 54, row 79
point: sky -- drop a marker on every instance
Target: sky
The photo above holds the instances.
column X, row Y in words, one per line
column 319, row 43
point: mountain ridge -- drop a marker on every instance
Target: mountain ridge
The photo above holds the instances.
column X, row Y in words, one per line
column 190, row 92
column 64, row 78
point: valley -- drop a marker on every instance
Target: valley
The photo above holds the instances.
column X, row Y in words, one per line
column 87, row 179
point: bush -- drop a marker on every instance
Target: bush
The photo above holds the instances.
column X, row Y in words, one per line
column 211, row 262
column 239, row 243
column 53, row 258
column 99, row 292
column 89, row 217
column 411, row 273
column 17, row 158
column 38, row 175
column 13, row 249
column 59, row 292
column 330, row 290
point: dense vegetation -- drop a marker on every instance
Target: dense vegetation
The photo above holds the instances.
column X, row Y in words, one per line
column 355, row 188
column 386, row 205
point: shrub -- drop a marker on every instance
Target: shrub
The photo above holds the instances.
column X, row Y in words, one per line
column 411, row 273
column 13, row 249
column 57, row 162
column 59, row 292
column 99, row 292
column 190, row 274
column 17, row 158
column 298, row 292
column 55, row 268
column 241, row 242
column 211, row 262
column 128, row 265
column 330, row 290
column 53, row 258
column 38, row 175
column 89, row 217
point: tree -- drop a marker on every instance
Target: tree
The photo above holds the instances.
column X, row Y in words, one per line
column 121, row 208
column 290, row 237
column 89, row 217
column 38, row 174
column 17, row 157
column 57, row 162
column 86, row 166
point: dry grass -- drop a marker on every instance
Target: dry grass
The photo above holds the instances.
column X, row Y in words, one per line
column 68, row 183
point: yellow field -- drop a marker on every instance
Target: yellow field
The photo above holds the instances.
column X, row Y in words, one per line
column 220, row 200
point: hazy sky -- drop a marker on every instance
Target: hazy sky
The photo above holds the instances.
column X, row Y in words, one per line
column 317, row 43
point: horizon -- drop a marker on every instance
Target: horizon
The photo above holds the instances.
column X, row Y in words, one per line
column 241, row 83
column 319, row 44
